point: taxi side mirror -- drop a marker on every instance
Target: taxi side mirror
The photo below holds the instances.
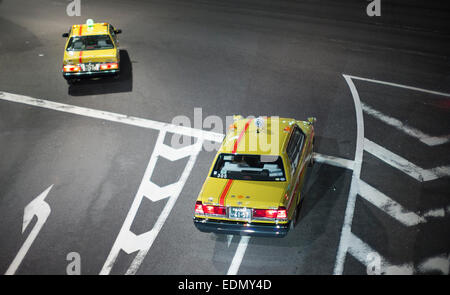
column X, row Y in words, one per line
column 119, row 31
column 312, row 120
column 65, row 35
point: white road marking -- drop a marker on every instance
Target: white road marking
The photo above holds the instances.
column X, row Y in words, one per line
column 399, row 85
column 39, row 208
column 229, row 239
column 388, row 205
column 350, row 209
column 361, row 251
column 126, row 239
column 114, row 117
column 404, row 165
column 238, row 256
column 394, row 209
column 334, row 161
column 440, row 263
column 436, row 213
column 351, row 243
column 411, row 131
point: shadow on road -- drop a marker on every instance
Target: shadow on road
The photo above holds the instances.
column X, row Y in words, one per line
column 105, row 85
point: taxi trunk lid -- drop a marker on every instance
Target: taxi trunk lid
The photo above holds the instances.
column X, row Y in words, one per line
column 91, row 56
column 243, row 193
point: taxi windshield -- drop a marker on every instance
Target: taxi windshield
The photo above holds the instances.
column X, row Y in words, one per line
column 249, row 167
column 92, row 42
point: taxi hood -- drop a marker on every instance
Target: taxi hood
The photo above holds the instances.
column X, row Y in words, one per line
column 243, row 193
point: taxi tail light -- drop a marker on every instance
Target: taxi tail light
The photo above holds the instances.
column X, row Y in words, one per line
column 265, row 213
column 209, row 209
column 214, row 210
column 280, row 213
column 109, row 66
column 198, row 208
column 71, row 68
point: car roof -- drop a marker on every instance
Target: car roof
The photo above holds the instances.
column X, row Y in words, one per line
column 95, row 29
column 243, row 136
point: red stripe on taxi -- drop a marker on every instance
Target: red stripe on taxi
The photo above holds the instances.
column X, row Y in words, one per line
column 224, row 193
column 236, row 143
column 80, row 30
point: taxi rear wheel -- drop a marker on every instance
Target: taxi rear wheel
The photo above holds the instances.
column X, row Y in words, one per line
column 296, row 215
column 71, row 81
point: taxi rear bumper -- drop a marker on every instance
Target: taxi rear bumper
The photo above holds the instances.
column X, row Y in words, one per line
column 240, row 228
column 74, row 75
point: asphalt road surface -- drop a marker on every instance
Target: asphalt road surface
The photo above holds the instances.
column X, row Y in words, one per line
column 88, row 168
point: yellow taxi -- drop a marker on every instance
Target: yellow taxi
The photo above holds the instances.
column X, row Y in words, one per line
column 254, row 185
column 91, row 50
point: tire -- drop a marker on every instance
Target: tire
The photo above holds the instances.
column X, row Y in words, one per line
column 296, row 214
column 71, row 81
column 294, row 218
column 311, row 161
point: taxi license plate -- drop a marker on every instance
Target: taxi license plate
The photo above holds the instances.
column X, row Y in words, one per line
column 240, row 213
column 91, row 67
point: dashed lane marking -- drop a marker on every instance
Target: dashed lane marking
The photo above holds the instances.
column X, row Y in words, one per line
column 238, row 256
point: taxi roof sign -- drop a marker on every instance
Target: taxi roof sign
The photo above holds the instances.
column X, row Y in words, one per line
column 90, row 23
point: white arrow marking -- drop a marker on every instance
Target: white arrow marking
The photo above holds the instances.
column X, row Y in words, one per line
column 42, row 210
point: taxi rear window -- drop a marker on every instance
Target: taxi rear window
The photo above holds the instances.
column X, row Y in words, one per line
column 92, row 42
column 249, row 167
